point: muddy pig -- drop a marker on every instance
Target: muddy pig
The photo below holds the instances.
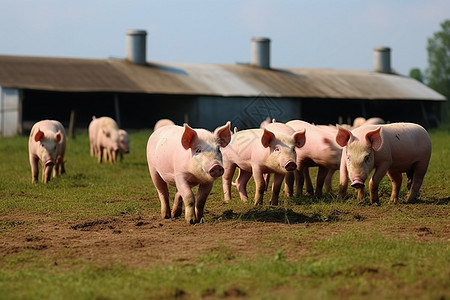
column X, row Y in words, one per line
column 185, row 157
column 257, row 152
column 394, row 148
column 47, row 145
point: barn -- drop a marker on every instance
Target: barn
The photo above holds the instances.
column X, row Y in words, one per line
column 137, row 92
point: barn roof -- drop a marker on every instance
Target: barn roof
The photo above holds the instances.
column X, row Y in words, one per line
column 113, row 75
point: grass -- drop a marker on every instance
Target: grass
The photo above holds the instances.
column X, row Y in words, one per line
column 346, row 249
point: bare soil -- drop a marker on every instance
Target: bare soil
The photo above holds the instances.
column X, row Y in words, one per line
column 148, row 240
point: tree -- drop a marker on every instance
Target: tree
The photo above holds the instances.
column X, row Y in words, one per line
column 438, row 72
column 416, row 74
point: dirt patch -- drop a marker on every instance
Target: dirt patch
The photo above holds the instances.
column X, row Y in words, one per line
column 147, row 240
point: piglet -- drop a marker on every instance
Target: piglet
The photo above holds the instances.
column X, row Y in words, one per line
column 106, row 139
column 393, row 149
column 47, row 145
column 257, row 152
column 185, row 157
column 124, row 143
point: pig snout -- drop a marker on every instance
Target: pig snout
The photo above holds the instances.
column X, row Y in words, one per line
column 357, row 183
column 49, row 162
column 216, row 171
column 290, row 166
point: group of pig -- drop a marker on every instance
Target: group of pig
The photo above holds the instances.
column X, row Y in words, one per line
column 186, row 157
column 47, row 145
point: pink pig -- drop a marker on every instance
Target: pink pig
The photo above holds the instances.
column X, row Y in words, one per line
column 186, row 157
column 320, row 150
column 394, row 148
column 106, row 139
column 92, row 130
column 124, row 143
column 257, row 152
column 47, row 144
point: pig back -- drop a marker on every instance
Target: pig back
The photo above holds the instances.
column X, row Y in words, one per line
column 402, row 143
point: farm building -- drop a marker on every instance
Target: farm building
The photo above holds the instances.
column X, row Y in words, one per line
column 137, row 93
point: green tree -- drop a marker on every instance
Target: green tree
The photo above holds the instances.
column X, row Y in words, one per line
column 416, row 74
column 438, row 72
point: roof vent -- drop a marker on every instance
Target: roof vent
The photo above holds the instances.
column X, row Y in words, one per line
column 382, row 59
column 261, row 52
column 136, row 48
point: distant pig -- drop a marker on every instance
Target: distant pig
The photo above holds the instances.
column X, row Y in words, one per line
column 47, row 145
column 106, row 139
column 394, row 148
column 124, row 143
column 257, row 152
column 185, row 157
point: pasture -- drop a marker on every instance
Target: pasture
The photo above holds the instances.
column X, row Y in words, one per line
column 96, row 233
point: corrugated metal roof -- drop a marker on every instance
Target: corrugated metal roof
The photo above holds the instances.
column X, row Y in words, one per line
column 112, row 75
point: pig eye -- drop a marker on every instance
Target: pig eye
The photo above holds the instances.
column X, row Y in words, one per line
column 277, row 149
column 367, row 158
column 198, row 151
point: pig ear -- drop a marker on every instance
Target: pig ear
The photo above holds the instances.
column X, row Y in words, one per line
column 58, row 136
column 267, row 138
column 343, row 136
column 300, row 138
column 188, row 135
column 374, row 138
column 38, row 136
column 223, row 134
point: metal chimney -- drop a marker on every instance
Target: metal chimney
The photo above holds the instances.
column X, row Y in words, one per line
column 260, row 52
column 136, row 46
column 382, row 59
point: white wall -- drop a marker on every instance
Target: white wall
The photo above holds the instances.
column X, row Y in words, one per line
column 9, row 112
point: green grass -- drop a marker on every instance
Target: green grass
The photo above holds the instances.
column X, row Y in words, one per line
column 344, row 256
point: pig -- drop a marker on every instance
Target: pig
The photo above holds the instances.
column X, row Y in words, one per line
column 124, row 143
column 106, row 139
column 393, row 149
column 320, row 150
column 185, row 157
column 92, row 131
column 162, row 122
column 257, row 152
column 47, row 145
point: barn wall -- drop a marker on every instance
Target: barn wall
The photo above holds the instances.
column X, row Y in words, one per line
column 9, row 112
column 211, row 112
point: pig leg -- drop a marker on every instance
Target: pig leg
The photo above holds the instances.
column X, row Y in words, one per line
column 308, row 182
column 241, row 184
column 299, row 181
column 34, row 169
column 177, row 205
column 188, row 200
column 417, row 179
column 289, row 179
column 343, row 176
column 396, row 180
column 276, row 186
column 375, row 182
column 321, row 175
column 259, row 183
column 202, row 194
column 266, row 180
column 47, row 173
column 227, row 178
column 100, row 154
column 163, row 193
column 329, row 181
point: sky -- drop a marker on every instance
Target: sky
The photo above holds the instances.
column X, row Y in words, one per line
column 304, row 34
